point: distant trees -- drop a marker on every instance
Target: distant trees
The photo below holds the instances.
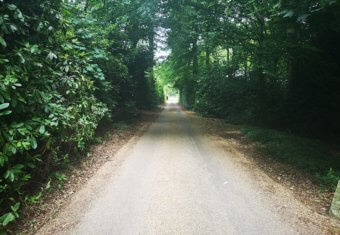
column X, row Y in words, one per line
column 273, row 63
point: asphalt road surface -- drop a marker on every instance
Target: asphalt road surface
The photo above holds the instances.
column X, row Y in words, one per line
column 174, row 180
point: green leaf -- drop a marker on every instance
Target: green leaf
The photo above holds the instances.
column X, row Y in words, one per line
column 3, row 42
column 289, row 13
column 9, row 175
column 48, row 185
column 34, row 49
column 30, row 165
column 38, row 64
column 3, row 160
column 42, row 129
column 13, row 28
column 40, row 26
column 8, row 112
column 4, row 106
column 15, row 208
column 52, row 56
column 22, row 59
column 12, row 7
column 7, row 218
column 19, row 166
column 33, row 142
column 14, row 149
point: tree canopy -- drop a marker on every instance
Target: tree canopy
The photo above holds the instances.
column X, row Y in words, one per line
column 271, row 63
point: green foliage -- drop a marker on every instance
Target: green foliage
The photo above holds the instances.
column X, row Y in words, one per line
column 48, row 103
column 260, row 62
column 65, row 66
column 11, row 216
column 267, row 63
column 307, row 154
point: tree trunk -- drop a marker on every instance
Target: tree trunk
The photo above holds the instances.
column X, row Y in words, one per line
column 151, row 38
column 207, row 50
column 228, row 55
column 195, row 58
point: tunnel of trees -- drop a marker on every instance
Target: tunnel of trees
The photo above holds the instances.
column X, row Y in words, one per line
column 272, row 63
column 66, row 66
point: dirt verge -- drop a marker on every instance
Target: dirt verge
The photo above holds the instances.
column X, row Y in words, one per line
column 299, row 183
column 35, row 216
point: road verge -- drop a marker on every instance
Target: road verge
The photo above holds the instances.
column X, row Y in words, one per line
column 34, row 216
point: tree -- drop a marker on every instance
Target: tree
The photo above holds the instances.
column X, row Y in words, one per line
column 262, row 62
column 66, row 67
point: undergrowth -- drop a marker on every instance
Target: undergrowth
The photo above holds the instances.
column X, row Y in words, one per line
column 306, row 154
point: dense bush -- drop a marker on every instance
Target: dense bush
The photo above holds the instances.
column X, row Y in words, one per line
column 64, row 67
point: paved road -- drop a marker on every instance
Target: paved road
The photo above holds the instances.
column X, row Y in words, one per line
column 175, row 181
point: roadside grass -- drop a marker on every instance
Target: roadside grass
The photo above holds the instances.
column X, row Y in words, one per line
column 306, row 154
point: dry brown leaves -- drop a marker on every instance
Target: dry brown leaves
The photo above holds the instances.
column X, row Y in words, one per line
column 35, row 216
